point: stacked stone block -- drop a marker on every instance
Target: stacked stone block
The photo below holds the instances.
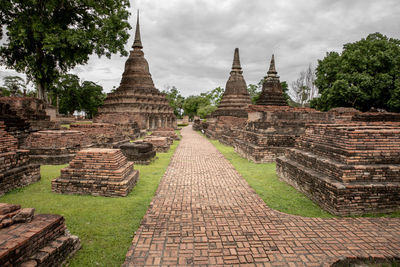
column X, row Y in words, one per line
column 15, row 168
column 97, row 172
column 33, row 240
column 56, row 146
column 346, row 169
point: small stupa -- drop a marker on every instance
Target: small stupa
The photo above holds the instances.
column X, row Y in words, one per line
column 136, row 99
column 236, row 98
column 272, row 93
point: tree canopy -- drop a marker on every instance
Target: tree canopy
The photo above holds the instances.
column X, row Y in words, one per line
column 47, row 38
column 366, row 74
column 175, row 100
column 74, row 95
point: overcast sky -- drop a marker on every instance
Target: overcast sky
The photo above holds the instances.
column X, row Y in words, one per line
column 189, row 43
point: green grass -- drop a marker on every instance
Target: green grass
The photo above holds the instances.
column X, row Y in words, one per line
column 104, row 225
column 277, row 194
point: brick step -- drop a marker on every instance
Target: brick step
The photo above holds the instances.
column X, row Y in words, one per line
column 55, row 252
column 345, row 172
column 20, row 241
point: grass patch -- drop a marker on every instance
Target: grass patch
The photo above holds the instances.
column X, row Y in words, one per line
column 104, row 225
column 277, row 194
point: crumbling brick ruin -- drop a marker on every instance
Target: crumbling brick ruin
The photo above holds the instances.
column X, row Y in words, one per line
column 136, row 99
column 347, row 169
column 97, row 172
column 32, row 110
column 55, row 146
column 107, row 135
column 33, row 240
column 138, row 152
column 160, row 144
column 166, row 132
column 16, row 169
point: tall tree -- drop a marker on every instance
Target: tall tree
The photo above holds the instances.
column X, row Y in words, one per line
column 175, row 100
column 45, row 38
column 193, row 103
column 76, row 96
column 214, row 95
column 303, row 89
column 366, row 74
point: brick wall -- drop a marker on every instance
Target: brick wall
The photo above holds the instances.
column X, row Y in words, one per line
column 15, row 168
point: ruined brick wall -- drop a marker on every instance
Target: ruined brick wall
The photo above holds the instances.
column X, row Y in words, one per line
column 55, row 146
column 166, row 132
column 32, row 110
column 103, row 134
column 270, row 130
column 346, row 168
column 15, row 168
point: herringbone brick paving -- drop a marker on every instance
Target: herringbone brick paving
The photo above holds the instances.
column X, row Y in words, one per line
column 205, row 213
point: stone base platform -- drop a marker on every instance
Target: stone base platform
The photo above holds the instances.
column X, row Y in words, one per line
column 34, row 240
column 138, row 152
column 346, row 169
column 97, row 172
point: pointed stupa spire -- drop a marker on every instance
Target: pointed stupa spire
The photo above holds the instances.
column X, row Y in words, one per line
column 138, row 42
column 236, row 61
column 272, row 71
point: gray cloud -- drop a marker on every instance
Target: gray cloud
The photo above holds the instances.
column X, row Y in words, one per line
column 190, row 43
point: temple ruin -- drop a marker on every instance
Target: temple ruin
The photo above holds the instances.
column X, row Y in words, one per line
column 272, row 93
column 97, row 172
column 136, row 100
column 34, row 240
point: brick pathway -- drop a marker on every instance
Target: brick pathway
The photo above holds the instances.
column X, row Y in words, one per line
column 205, row 213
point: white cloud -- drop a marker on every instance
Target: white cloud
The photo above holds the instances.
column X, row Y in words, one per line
column 190, row 43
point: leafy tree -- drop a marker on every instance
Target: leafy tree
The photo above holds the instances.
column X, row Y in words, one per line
column 15, row 85
column 47, row 38
column 193, row 103
column 175, row 100
column 366, row 74
column 204, row 111
column 92, row 97
column 254, row 92
column 75, row 96
column 214, row 96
